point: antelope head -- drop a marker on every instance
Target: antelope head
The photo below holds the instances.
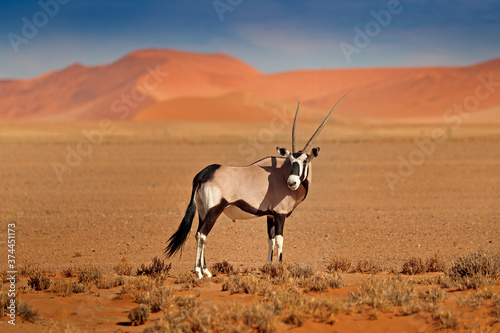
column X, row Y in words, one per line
column 300, row 160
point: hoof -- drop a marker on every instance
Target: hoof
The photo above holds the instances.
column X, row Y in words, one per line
column 197, row 271
column 207, row 273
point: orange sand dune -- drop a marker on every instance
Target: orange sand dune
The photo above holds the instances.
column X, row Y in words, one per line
column 231, row 107
column 175, row 85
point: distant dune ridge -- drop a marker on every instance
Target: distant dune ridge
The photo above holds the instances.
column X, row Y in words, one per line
column 182, row 86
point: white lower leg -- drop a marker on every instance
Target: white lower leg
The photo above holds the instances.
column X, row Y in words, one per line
column 199, row 253
column 279, row 246
column 204, row 264
column 271, row 250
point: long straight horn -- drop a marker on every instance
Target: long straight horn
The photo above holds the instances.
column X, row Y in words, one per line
column 294, row 129
column 315, row 135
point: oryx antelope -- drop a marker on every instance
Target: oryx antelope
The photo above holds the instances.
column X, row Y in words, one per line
column 272, row 187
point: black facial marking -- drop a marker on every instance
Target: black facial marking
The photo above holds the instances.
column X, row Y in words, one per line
column 297, row 154
column 282, row 151
column 315, row 152
column 295, row 168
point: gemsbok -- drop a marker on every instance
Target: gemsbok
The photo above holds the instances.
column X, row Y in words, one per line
column 272, row 187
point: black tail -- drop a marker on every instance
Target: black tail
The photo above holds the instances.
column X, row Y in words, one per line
column 177, row 240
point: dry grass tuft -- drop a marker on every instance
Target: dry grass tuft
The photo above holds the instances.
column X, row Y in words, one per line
column 155, row 298
column 30, row 269
column 476, row 263
column 89, row 274
column 26, row 312
column 139, row 315
column 447, row 319
column 189, row 280
column 69, row 271
column 338, row 264
column 124, row 268
column 158, row 268
column 3, row 276
column 433, row 295
column 246, row 285
column 108, row 282
column 321, row 282
column 259, row 316
column 187, row 315
column 39, row 282
column 299, row 272
column 223, row 267
column 436, row 263
column 475, row 270
column 384, row 293
column 478, row 298
column 367, row 267
column 416, row 265
column 67, row 288
column 277, row 273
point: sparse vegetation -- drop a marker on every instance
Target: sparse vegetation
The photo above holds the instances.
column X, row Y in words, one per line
column 26, row 312
column 436, row 263
column 139, row 315
column 299, row 272
column 67, row 288
column 157, row 268
column 447, row 319
column 188, row 279
column 107, row 282
column 70, row 271
column 416, row 265
column 155, row 298
column 124, row 268
column 186, row 315
column 89, row 274
column 384, row 293
column 250, row 284
column 321, row 282
column 338, row 264
column 222, row 267
column 259, row 316
column 30, row 269
column 366, row 266
column 281, row 294
column 475, row 270
column 38, row 281
column 277, row 273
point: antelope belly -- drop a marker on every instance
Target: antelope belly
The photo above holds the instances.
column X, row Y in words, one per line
column 234, row 213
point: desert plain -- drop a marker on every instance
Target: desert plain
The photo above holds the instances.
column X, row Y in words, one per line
column 380, row 193
column 399, row 231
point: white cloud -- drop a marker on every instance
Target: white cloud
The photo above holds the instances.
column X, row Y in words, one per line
column 286, row 37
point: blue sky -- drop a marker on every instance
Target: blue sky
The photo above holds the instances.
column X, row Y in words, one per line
column 271, row 35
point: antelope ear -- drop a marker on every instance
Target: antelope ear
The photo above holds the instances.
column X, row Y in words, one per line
column 283, row 152
column 315, row 152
